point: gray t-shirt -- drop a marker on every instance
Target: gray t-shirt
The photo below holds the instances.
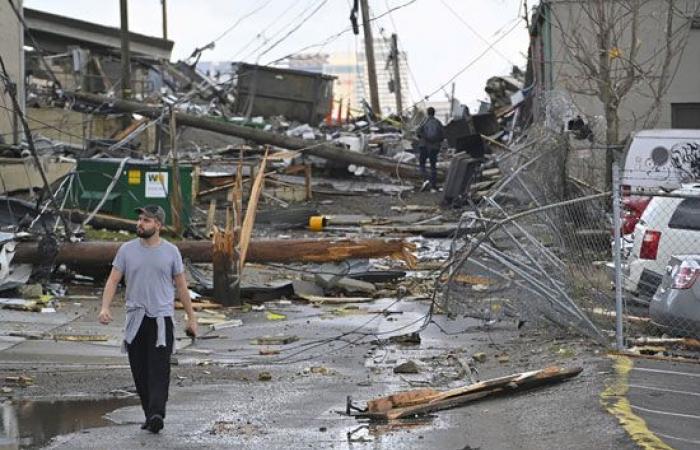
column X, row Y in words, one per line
column 149, row 273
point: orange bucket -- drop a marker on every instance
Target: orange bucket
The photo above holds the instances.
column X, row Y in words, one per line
column 316, row 223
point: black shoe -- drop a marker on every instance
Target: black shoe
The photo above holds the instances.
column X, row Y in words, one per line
column 145, row 425
column 155, row 424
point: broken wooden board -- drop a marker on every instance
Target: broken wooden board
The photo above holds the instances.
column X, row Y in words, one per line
column 424, row 401
column 612, row 314
column 210, row 320
column 198, row 306
column 20, row 304
column 334, row 300
column 227, row 324
column 21, row 380
column 81, row 337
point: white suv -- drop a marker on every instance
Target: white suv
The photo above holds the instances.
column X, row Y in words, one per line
column 670, row 225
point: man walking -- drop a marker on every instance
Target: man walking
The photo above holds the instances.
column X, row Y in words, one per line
column 431, row 134
column 153, row 270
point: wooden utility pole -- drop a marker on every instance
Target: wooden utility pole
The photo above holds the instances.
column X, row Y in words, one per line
column 164, row 3
column 369, row 56
column 85, row 254
column 126, row 54
column 397, row 74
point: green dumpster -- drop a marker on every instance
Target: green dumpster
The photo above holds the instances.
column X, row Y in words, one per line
column 140, row 183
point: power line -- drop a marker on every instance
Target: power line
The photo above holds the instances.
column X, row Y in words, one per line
column 473, row 61
column 268, row 26
column 333, row 37
column 292, row 30
column 476, row 33
column 238, row 22
column 288, row 24
column 401, row 49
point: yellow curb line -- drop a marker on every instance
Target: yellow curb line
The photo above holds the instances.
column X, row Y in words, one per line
column 614, row 400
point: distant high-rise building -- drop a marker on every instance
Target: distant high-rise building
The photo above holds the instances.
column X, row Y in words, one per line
column 352, row 85
column 385, row 75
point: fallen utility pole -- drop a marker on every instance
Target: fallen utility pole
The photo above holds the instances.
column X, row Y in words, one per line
column 321, row 149
column 82, row 254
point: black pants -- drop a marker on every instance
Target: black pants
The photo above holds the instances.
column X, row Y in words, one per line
column 150, row 365
column 429, row 152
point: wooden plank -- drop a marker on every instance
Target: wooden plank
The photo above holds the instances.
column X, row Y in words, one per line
column 384, row 408
column 247, row 227
column 334, row 300
column 211, row 213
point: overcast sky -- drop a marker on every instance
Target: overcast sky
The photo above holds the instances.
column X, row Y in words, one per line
column 441, row 37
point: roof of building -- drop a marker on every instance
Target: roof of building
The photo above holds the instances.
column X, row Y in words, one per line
column 55, row 33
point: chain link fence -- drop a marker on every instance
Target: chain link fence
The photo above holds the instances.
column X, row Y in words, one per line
column 542, row 248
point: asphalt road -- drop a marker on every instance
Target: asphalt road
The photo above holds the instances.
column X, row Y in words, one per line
column 667, row 396
column 298, row 408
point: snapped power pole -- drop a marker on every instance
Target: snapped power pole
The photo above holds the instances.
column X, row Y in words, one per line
column 397, row 74
column 126, row 54
column 369, row 56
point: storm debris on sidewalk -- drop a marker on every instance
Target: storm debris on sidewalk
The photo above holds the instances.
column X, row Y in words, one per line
column 19, row 380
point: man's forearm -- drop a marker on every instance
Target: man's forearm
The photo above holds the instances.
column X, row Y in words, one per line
column 108, row 294
column 184, row 296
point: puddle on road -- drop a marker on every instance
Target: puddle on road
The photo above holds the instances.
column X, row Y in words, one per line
column 32, row 424
column 374, row 431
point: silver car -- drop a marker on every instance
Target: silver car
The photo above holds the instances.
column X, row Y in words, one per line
column 675, row 306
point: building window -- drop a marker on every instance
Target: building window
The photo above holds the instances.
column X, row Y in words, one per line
column 685, row 115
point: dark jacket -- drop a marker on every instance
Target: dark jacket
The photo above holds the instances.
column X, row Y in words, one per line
column 431, row 126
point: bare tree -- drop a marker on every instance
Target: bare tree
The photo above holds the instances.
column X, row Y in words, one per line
column 622, row 48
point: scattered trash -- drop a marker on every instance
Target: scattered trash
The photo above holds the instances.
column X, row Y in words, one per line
column 274, row 340
column 226, row 324
column 31, row 291
column 275, row 316
column 268, row 352
column 503, row 358
column 403, row 339
column 264, row 376
column 409, row 367
column 21, row 380
column 479, row 357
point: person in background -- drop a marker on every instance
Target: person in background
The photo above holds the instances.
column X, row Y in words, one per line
column 431, row 133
